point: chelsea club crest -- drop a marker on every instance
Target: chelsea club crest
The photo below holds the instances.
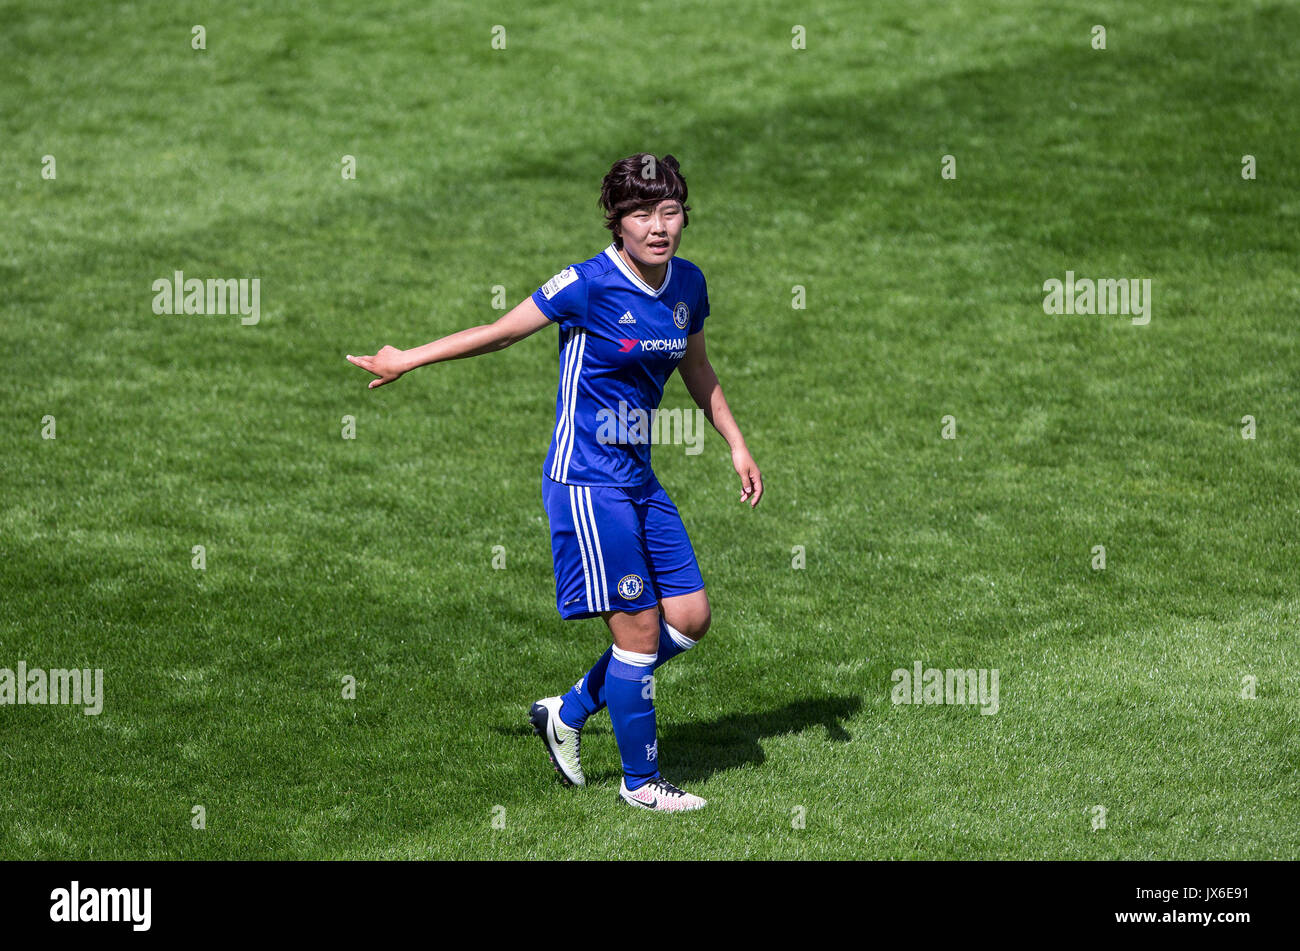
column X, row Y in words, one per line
column 630, row 587
column 681, row 315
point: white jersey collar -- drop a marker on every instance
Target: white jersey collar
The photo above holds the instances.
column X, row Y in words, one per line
column 631, row 275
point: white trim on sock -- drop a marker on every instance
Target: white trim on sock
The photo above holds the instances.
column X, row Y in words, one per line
column 633, row 659
column 680, row 639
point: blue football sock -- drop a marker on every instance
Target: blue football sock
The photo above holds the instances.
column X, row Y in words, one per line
column 629, row 687
column 587, row 696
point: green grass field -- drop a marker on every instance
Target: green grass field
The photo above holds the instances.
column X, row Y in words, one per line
column 372, row 557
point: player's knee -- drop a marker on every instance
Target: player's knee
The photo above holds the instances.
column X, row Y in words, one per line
column 696, row 625
column 689, row 615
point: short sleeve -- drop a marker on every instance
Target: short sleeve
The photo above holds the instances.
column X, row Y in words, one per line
column 563, row 298
column 702, row 311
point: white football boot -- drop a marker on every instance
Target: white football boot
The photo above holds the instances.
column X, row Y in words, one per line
column 563, row 743
column 660, row 795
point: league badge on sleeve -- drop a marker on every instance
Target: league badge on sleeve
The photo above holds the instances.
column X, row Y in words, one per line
column 559, row 282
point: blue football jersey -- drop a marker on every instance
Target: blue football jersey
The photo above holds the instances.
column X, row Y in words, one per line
column 620, row 340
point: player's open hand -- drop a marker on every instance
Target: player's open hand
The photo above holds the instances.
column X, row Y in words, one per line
column 388, row 364
column 751, row 481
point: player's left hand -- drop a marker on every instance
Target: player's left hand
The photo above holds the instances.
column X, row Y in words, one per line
column 751, row 480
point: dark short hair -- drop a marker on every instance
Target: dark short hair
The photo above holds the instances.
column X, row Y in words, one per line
column 641, row 181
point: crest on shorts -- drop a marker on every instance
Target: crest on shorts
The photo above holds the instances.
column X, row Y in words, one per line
column 681, row 315
column 630, row 587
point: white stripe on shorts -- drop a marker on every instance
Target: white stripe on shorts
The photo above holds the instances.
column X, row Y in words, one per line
column 582, row 544
column 600, row 556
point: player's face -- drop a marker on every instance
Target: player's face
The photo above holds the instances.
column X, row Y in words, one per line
column 651, row 234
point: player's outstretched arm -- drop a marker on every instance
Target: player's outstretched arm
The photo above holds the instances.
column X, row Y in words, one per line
column 702, row 383
column 390, row 363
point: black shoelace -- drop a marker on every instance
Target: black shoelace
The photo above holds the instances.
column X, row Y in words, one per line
column 667, row 788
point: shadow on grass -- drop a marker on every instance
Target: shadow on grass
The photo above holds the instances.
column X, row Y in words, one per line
column 695, row 751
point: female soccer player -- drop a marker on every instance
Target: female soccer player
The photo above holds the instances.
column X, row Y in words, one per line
column 628, row 317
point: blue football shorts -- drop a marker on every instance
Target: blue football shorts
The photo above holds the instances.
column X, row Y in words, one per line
column 617, row 548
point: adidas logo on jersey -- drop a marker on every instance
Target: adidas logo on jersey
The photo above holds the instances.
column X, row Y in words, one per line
column 627, row 318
